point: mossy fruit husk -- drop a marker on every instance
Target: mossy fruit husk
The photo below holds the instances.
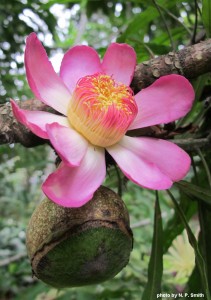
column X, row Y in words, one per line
column 79, row 246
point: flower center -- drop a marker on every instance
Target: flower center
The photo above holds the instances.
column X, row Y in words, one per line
column 102, row 109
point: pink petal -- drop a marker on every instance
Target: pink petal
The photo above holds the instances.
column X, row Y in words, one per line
column 69, row 144
column 46, row 85
column 78, row 62
column 168, row 157
column 74, row 186
column 120, row 61
column 167, row 99
column 151, row 163
column 36, row 120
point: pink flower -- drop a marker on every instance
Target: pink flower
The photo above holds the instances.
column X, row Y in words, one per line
column 96, row 108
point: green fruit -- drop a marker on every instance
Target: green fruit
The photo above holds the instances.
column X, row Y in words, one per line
column 79, row 246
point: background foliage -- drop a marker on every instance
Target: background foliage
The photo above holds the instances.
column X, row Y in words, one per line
column 152, row 27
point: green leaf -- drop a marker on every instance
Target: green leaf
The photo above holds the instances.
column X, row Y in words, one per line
column 174, row 226
column 155, row 269
column 50, row 3
column 139, row 24
column 204, row 237
column 198, row 256
column 206, row 16
column 194, row 282
column 195, row 191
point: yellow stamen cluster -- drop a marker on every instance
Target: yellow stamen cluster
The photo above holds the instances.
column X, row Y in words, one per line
column 101, row 109
column 108, row 93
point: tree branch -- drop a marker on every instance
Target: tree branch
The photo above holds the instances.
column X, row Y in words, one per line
column 191, row 144
column 11, row 131
column 190, row 62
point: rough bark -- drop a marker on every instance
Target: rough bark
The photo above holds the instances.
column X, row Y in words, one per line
column 190, row 62
column 13, row 132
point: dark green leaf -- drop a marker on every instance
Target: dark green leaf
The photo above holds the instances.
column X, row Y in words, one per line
column 155, row 269
column 206, row 16
column 194, row 282
column 198, row 255
column 139, row 24
column 204, row 238
column 174, row 226
column 195, row 191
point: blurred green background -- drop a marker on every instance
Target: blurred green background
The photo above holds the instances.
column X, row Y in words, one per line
column 153, row 28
